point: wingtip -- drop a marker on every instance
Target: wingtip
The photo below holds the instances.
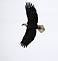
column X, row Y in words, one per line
column 23, row 45
column 28, row 4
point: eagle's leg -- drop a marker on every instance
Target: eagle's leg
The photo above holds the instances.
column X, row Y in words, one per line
column 41, row 28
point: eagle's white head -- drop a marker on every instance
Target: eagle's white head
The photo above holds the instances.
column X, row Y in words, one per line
column 41, row 28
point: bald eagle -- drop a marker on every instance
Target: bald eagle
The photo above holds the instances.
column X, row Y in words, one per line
column 32, row 17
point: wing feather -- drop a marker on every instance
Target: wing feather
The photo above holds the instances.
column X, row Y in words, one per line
column 28, row 37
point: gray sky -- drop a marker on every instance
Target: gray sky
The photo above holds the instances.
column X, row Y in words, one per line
column 45, row 45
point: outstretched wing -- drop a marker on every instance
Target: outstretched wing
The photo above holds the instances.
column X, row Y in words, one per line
column 31, row 24
column 32, row 15
column 28, row 37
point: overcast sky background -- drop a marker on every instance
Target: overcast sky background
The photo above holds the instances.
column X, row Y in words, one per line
column 45, row 45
